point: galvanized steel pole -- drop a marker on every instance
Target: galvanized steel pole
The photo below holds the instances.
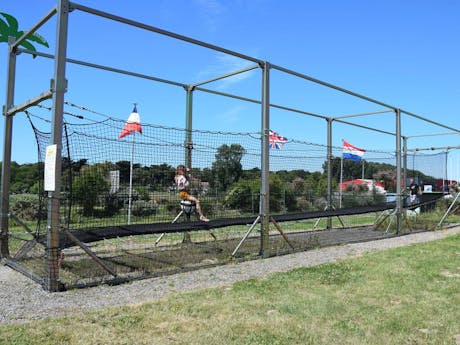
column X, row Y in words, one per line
column 265, row 165
column 59, row 88
column 404, row 161
column 398, row 171
column 7, row 140
column 188, row 126
column 329, row 170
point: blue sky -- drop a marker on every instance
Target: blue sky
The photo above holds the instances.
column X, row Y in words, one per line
column 402, row 53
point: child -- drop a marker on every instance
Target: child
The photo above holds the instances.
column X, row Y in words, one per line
column 181, row 181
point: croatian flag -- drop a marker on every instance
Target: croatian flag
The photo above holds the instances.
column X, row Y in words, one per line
column 133, row 124
column 351, row 152
column 275, row 140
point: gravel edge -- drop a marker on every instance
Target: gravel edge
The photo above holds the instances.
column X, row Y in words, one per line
column 23, row 300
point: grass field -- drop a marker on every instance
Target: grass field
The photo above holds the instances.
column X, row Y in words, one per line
column 409, row 295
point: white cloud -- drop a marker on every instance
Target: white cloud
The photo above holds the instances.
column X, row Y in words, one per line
column 226, row 64
column 232, row 115
column 211, row 10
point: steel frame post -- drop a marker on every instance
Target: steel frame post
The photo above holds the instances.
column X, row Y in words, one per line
column 404, row 162
column 329, row 171
column 446, row 181
column 59, row 87
column 188, row 126
column 398, row 171
column 264, row 211
column 7, row 142
column 404, row 173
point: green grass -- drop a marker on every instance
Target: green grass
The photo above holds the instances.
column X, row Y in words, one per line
column 408, row 295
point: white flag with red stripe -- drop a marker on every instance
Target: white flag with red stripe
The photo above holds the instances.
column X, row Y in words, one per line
column 133, row 124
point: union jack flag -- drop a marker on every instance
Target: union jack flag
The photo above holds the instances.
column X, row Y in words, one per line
column 276, row 141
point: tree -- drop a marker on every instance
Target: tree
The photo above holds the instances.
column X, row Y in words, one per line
column 244, row 195
column 74, row 165
column 125, row 168
column 227, row 168
column 10, row 27
column 299, row 186
column 162, row 176
column 87, row 188
column 388, row 178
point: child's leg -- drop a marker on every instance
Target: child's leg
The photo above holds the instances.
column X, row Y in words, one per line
column 197, row 204
column 198, row 207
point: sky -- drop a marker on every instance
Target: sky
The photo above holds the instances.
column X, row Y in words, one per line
column 402, row 53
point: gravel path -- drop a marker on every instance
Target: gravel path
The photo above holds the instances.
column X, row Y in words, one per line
column 23, row 300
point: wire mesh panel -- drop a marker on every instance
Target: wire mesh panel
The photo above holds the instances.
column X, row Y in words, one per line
column 298, row 182
column 106, row 178
column 122, row 218
column 428, row 170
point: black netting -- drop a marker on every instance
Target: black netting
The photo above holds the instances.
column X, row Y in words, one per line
column 111, row 232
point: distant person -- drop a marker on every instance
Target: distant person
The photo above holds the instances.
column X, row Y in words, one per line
column 414, row 191
column 182, row 182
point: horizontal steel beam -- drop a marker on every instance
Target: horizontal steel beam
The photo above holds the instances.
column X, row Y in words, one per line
column 293, row 110
column 37, row 26
column 364, row 114
column 430, row 121
column 29, row 103
column 106, row 68
column 299, row 111
column 365, row 127
column 162, row 32
column 331, row 86
column 436, row 148
column 230, row 74
column 432, row 135
column 229, row 95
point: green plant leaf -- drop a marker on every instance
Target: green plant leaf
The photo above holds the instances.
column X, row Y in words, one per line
column 12, row 22
column 29, row 46
column 11, row 28
column 39, row 39
column 4, row 29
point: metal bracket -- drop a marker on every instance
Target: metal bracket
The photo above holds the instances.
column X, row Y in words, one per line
column 53, row 85
column 189, row 145
column 190, row 88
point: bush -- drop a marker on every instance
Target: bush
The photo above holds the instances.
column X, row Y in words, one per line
column 113, row 203
column 362, row 198
column 304, row 205
column 216, row 209
column 320, row 203
column 27, row 207
column 142, row 193
column 87, row 188
column 141, row 208
column 290, row 199
column 171, row 206
column 444, row 203
column 243, row 195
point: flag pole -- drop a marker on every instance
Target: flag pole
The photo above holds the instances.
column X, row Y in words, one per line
column 130, row 192
column 131, row 126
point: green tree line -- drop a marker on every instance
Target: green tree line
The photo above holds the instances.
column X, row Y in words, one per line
column 291, row 190
column 225, row 171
